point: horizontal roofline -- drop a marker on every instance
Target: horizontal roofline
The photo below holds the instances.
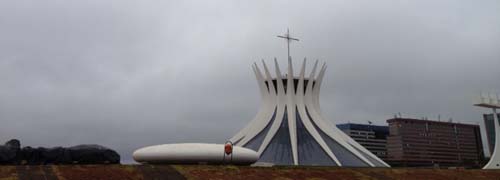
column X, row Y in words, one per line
column 430, row 121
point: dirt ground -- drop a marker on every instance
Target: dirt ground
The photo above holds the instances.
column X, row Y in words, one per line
column 318, row 173
column 180, row 172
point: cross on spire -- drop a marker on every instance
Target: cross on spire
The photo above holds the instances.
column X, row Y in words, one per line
column 288, row 40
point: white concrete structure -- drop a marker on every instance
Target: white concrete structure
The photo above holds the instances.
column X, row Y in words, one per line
column 493, row 104
column 194, row 153
column 289, row 128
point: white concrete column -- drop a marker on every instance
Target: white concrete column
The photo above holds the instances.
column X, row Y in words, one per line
column 494, row 162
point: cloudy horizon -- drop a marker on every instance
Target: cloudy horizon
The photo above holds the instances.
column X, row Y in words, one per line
column 127, row 74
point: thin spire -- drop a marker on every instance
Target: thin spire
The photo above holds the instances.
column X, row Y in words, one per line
column 288, row 40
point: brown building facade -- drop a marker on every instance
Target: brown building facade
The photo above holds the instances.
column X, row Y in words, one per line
column 413, row 142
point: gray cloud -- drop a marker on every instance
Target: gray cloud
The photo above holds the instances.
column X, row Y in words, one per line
column 127, row 74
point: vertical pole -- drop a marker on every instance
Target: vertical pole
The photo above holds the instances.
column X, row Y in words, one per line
column 288, row 42
column 498, row 99
column 288, row 46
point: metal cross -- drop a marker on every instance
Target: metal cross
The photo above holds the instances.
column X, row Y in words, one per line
column 288, row 40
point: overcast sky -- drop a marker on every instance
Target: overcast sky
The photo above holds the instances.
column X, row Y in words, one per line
column 127, row 74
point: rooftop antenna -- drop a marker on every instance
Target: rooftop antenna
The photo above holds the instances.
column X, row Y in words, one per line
column 481, row 97
column 288, row 40
column 490, row 98
column 498, row 99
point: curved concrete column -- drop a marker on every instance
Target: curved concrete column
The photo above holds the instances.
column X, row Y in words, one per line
column 295, row 102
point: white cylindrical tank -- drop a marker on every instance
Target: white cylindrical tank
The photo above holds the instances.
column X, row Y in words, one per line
column 194, row 153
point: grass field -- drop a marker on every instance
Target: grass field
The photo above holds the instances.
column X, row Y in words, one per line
column 120, row 172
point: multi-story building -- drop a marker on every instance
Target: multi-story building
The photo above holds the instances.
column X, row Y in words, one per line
column 413, row 142
column 490, row 130
column 372, row 137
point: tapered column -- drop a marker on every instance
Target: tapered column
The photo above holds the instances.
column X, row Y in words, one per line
column 494, row 162
column 291, row 107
